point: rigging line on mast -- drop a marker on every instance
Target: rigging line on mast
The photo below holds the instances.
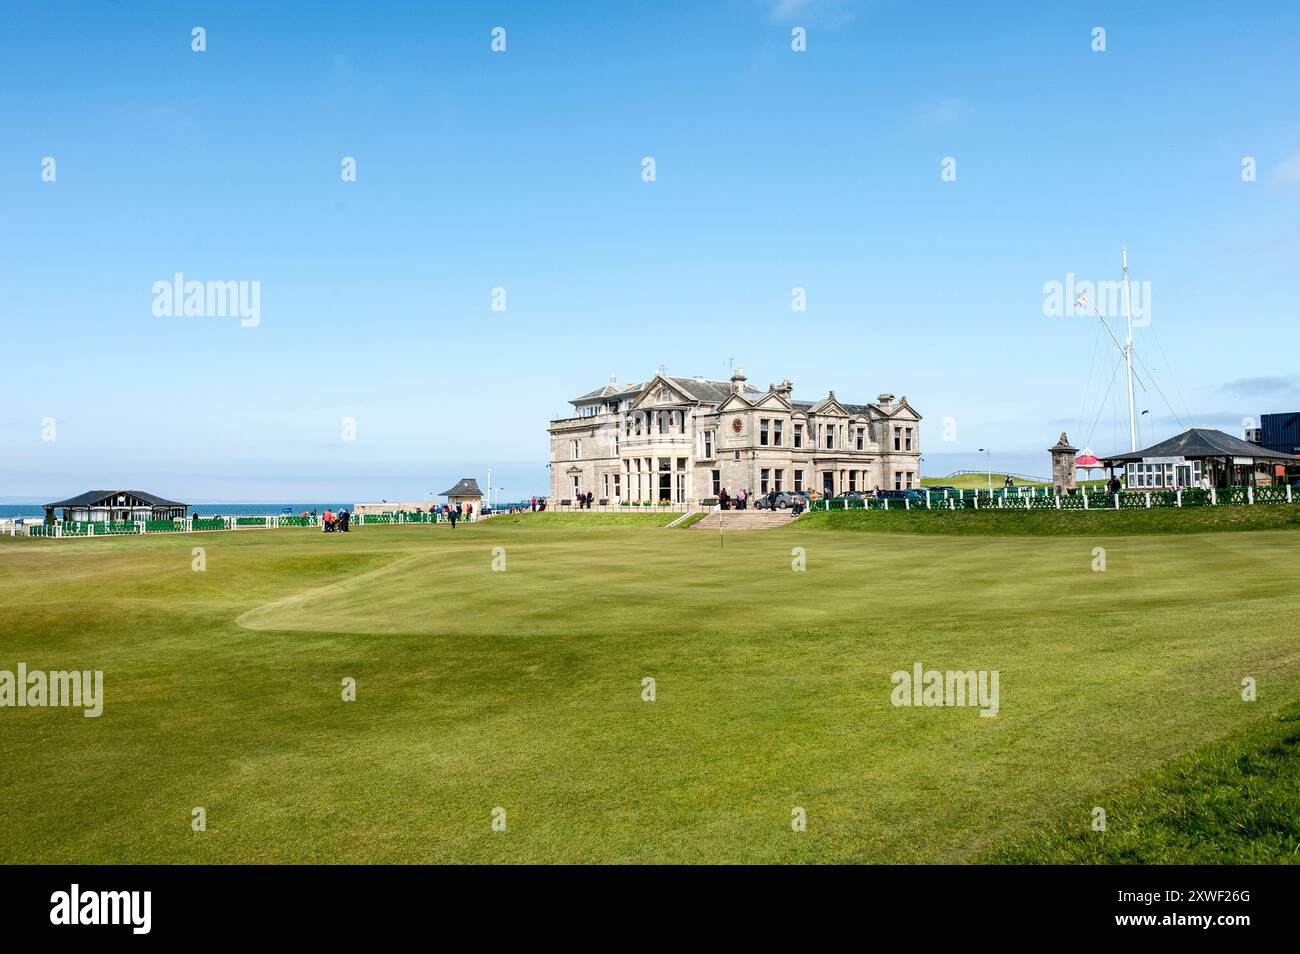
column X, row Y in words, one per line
column 1123, row 352
column 1101, row 403
column 1177, row 387
column 1104, row 395
column 1092, row 364
column 1161, row 393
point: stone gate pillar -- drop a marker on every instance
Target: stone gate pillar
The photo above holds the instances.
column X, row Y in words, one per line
column 1063, row 466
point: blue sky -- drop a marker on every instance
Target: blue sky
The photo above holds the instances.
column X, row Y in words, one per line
column 522, row 170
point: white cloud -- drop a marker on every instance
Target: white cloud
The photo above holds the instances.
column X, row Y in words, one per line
column 1288, row 170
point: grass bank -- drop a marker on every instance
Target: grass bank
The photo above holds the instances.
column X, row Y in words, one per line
column 995, row 522
column 1233, row 801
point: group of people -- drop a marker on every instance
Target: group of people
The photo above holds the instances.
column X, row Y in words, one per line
column 727, row 502
column 584, row 501
column 332, row 522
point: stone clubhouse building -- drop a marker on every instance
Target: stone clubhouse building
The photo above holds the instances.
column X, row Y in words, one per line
column 683, row 440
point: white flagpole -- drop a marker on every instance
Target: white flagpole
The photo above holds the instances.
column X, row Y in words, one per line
column 1128, row 357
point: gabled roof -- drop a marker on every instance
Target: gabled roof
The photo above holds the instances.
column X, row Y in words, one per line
column 716, row 393
column 466, row 487
column 697, row 389
column 1199, row 442
column 743, row 402
column 91, row 497
column 830, row 404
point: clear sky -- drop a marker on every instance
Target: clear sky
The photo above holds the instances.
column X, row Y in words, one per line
column 522, row 170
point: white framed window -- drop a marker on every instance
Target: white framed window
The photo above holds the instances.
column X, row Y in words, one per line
column 830, row 436
column 798, row 434
column 798, row 480
column 764, row 476
column 575, row 449
column 776, row 432
column 907, row 439
column 862, row 438
column 763, row 423
column 716, row 478
column 898, row 438
column 898, row 480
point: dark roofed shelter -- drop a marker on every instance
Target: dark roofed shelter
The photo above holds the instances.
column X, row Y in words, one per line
column 103, row 506
column 1199, row 457
column 466, row 491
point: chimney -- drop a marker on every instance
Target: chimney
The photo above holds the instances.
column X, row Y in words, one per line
column 738, row 381
column 885, row 400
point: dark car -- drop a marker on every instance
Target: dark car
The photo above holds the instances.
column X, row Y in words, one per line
column 784, row 500
column 911, row 495
column 940, row 491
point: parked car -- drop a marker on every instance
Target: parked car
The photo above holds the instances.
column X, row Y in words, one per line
column 940, row 491
column 911, row 495
column 784, row 500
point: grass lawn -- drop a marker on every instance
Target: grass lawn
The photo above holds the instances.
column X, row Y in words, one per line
column 1233, row 801
column 523, row 688
column 993, row 521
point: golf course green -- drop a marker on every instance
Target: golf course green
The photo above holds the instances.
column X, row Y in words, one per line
column 503, row 665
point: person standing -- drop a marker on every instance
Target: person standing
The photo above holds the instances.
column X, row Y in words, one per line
column 344, row 518
column 453, row 515
column 771, row 500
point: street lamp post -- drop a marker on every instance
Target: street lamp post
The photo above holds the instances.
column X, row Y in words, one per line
column 988, row 461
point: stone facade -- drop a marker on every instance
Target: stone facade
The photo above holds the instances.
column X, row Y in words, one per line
column 683, row 439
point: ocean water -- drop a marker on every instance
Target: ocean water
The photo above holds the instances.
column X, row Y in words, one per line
column 9, row 511
column 204, row 509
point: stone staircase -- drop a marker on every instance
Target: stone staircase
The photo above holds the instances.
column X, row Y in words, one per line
column 744, row 520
